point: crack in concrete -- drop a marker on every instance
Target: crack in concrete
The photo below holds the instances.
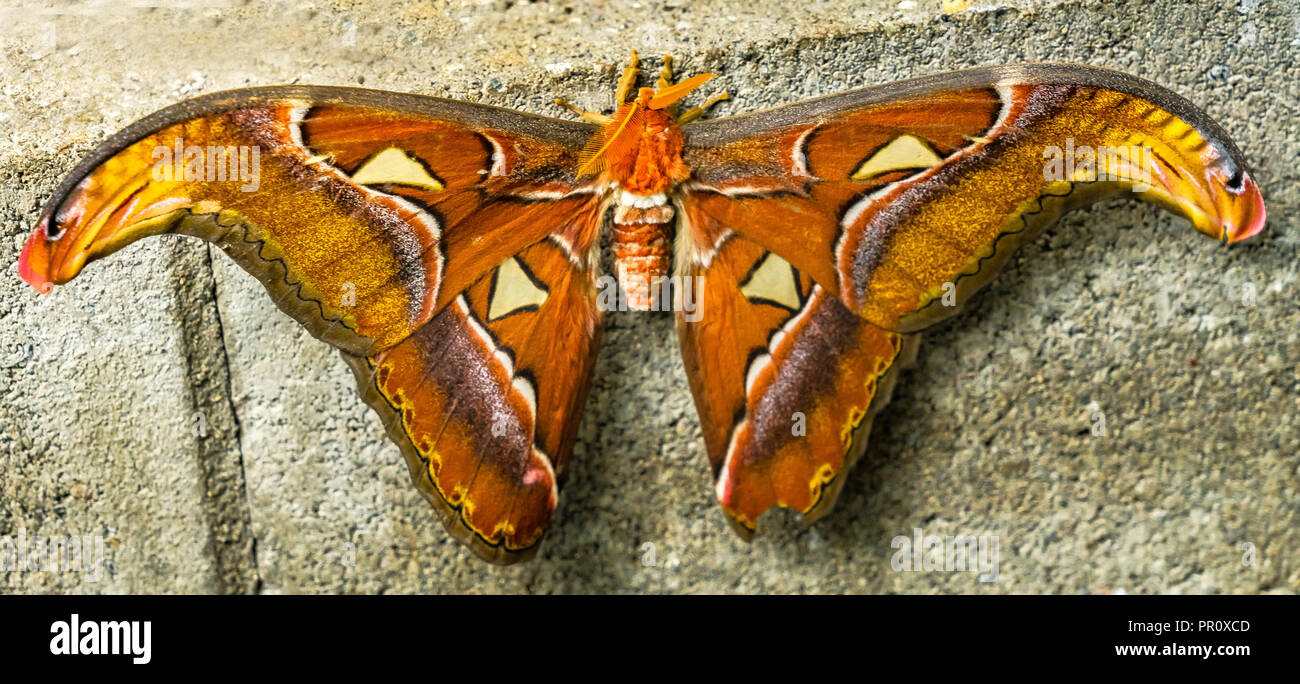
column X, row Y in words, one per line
column 238, row 427
column 215, row 424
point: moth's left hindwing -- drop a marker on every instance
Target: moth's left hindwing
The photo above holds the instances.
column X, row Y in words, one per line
column 443, row 247
column 786, row 381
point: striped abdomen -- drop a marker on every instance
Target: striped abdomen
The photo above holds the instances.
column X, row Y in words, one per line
column 642, row 247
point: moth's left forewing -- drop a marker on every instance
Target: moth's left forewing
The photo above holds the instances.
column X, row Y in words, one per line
column 499, row 188
column 362, row 212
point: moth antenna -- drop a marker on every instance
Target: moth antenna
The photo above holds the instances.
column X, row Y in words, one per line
column 672, row 94
column 590, row 159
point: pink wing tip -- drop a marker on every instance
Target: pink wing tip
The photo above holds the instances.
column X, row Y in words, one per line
column 1248, row 215
column 36, row 243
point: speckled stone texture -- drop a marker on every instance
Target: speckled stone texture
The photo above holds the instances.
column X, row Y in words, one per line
column 161, row 402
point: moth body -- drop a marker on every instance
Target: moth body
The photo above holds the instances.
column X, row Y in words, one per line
column 641, row 150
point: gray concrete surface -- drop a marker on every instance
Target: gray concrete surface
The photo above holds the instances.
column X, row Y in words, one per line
column 291, row 485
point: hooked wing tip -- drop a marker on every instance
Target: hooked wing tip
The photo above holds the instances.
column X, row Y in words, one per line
column 33, row 264
column 1245, row 214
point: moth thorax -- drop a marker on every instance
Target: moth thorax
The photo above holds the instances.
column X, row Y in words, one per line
column 641, row 255
column 648, row 160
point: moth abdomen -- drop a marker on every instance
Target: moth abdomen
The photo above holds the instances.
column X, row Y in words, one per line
column 642, row 244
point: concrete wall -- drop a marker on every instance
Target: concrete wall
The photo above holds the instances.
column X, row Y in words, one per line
column 291, row 485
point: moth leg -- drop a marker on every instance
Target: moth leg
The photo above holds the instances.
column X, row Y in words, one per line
column 697, row 112
column 627, row 84
column 589, row 117
column 665, row 80
column 665, row 74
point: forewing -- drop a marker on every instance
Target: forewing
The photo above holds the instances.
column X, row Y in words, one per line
column 362, row 212
column 892, row 197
